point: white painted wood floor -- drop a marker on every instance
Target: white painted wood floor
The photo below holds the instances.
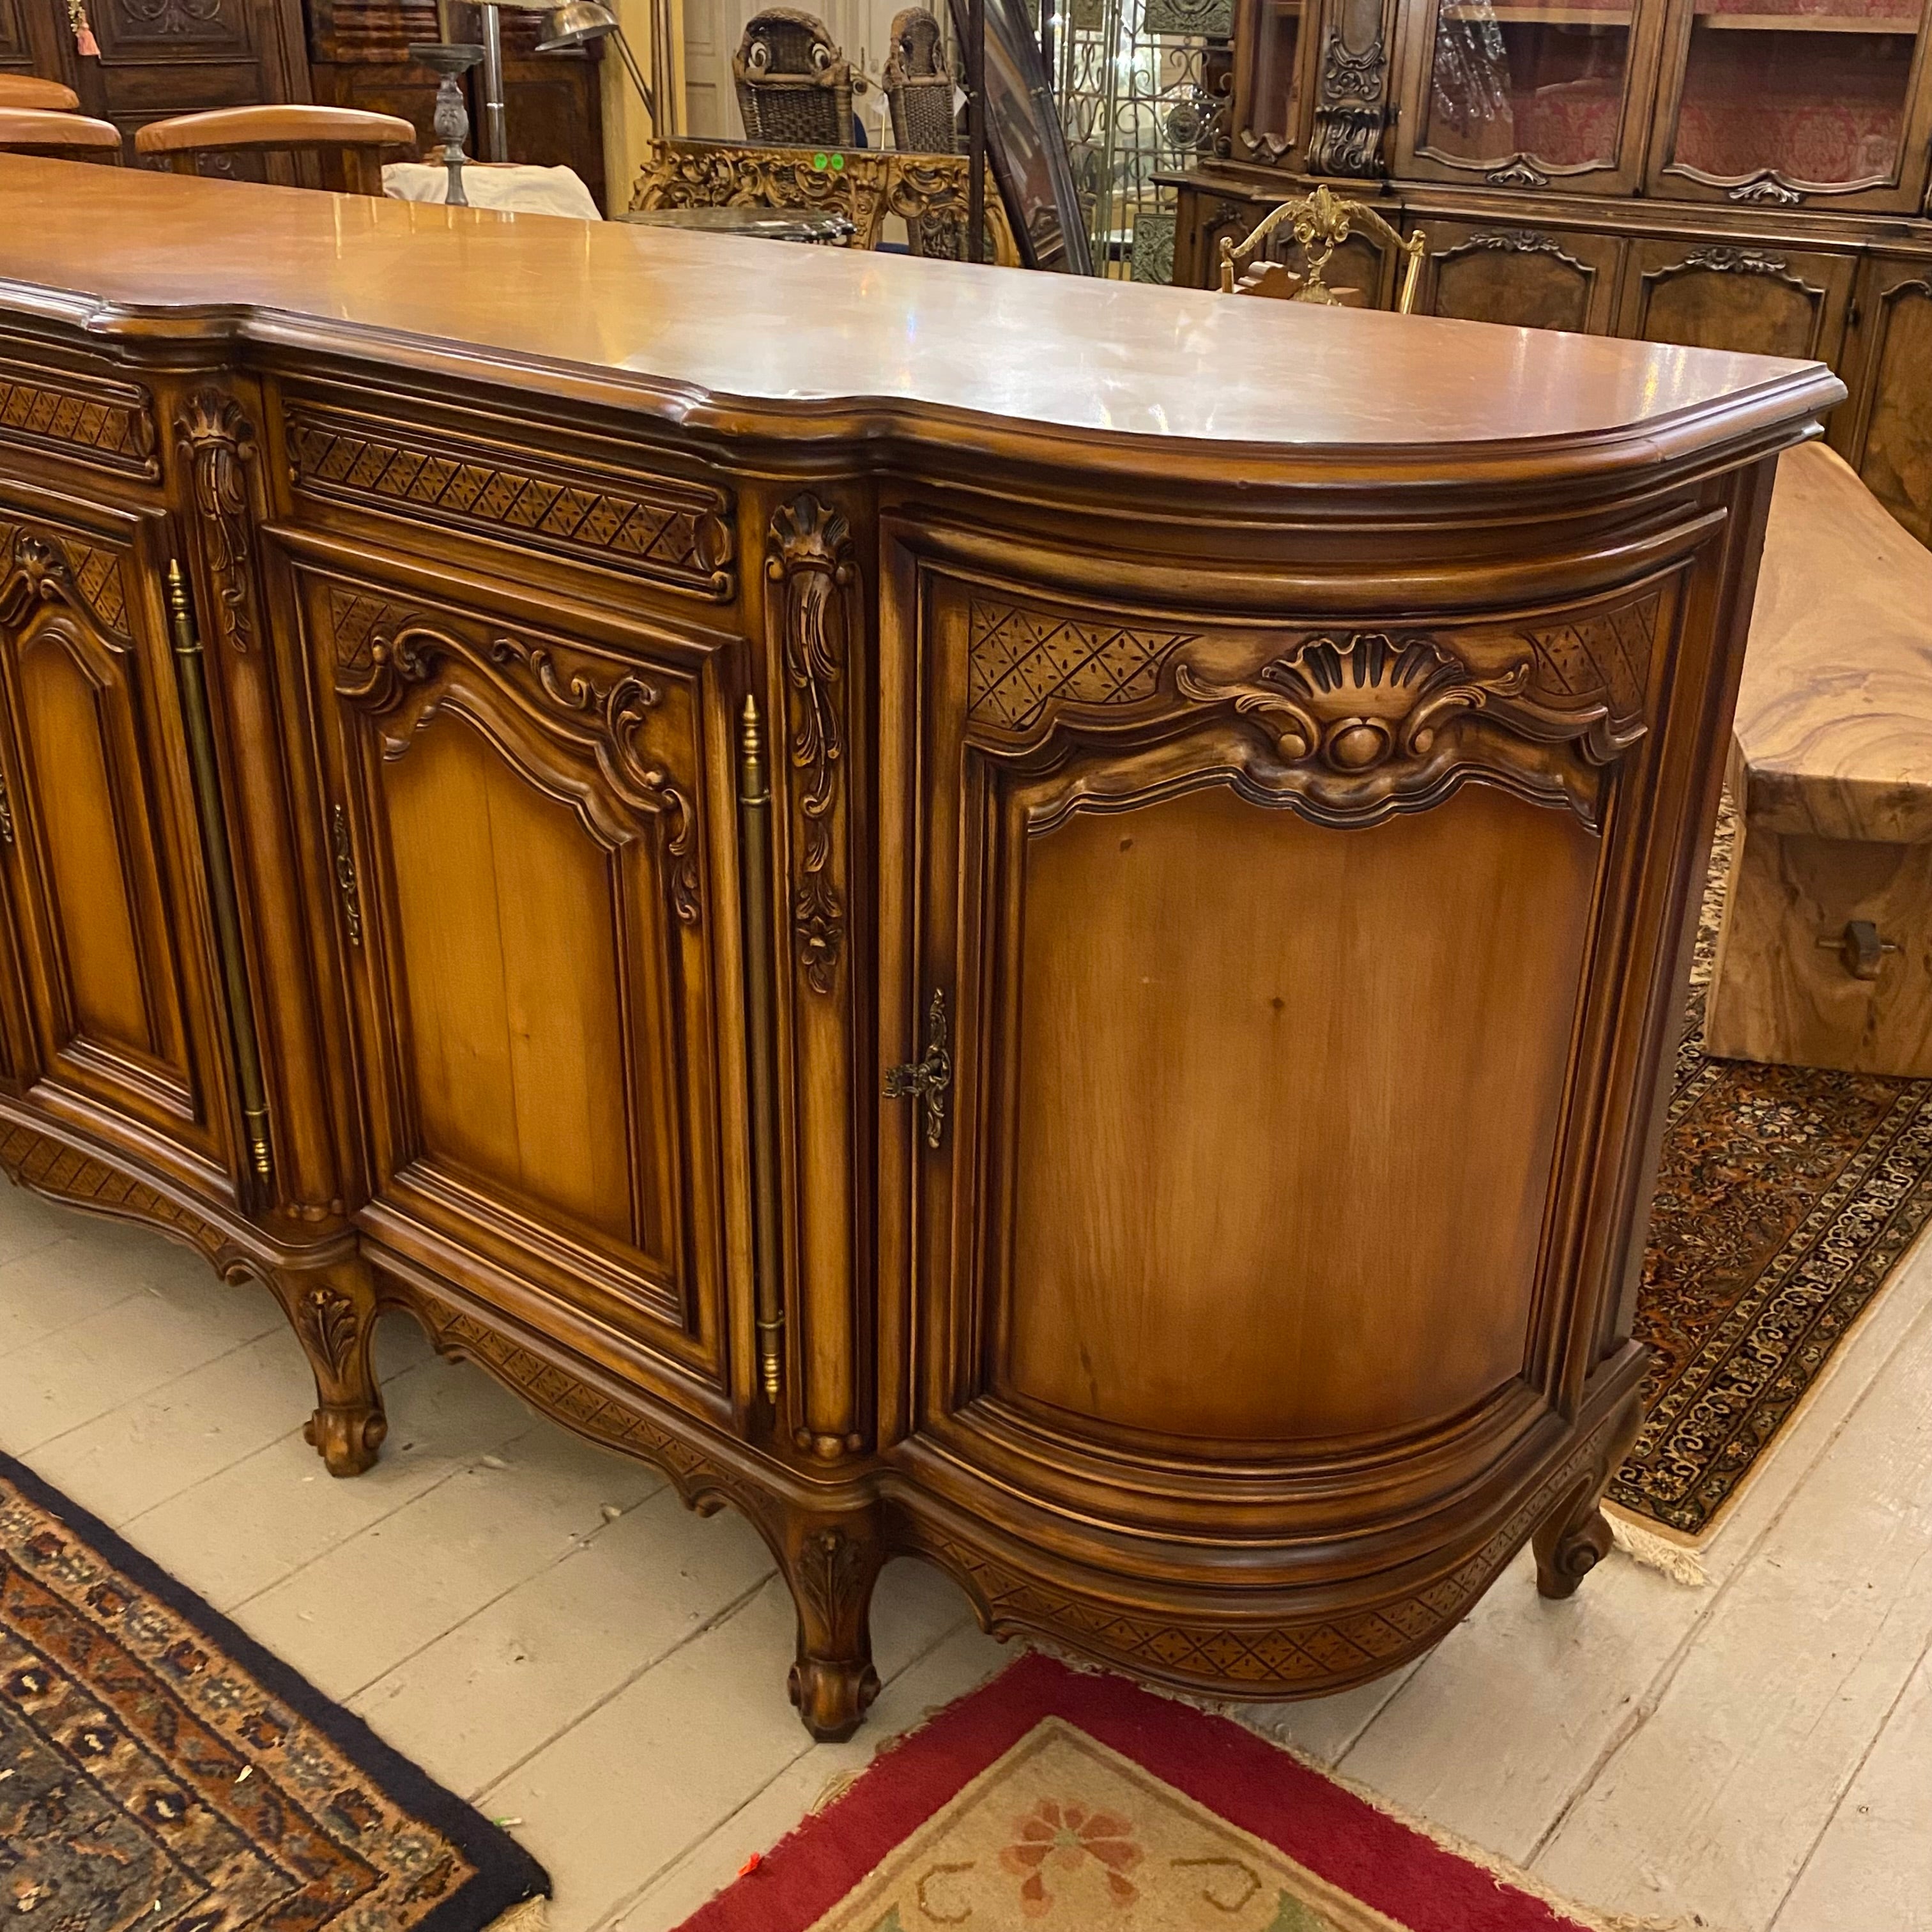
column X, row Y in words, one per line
column 543, row 1628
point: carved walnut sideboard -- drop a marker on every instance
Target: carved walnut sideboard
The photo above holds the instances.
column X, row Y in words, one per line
column 1020, row 920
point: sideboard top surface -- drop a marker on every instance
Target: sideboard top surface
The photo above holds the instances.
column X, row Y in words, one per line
column 745, row 335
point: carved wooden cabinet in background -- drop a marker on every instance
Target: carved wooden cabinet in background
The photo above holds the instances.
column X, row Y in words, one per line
column 165, row 57
column 1075, row 985
column 1714, row 172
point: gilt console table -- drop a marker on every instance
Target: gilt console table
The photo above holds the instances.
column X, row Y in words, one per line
column 1023, row 920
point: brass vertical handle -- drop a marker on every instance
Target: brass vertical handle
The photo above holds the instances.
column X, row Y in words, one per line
column 345, row 875
column 928, row 1078
column 754, row 846
column 224, row 905
column 6, row 812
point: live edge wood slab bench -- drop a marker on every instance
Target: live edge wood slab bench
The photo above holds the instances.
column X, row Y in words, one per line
column 876, row 881
column 1825, row 956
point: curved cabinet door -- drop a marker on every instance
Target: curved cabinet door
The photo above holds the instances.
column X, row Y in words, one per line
column 1525, row 277
column 97, row 839
column 1262, row 951
column 515, row 825
column 1757, row 297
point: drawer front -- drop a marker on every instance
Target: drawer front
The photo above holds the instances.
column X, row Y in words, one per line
column 1753, row 296
column 1527, row 277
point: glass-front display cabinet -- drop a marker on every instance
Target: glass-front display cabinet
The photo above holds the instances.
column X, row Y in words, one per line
column 1273, row 45
column 1789, row 103
column 1530, row 94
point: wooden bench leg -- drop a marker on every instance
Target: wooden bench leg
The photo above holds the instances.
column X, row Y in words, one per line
column 1825, row 959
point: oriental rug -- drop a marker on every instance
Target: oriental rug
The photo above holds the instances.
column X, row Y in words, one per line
column 1785, row 1196
column 1054, row 1797
column 158, row 1770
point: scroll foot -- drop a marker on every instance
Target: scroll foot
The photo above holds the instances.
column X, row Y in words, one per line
column 1575, row 1537
column 831, row 1568
column 333, row 1312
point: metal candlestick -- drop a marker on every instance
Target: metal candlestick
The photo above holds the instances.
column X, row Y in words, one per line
column 452, row 60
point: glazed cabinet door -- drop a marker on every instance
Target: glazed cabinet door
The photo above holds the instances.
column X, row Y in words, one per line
column 1529, row 94
column 1885, row 431
column 1195, row 1201
column 1756, row 297
column 1808, row 102
column 98, row 844
column 1527, row 277
column 515, row 825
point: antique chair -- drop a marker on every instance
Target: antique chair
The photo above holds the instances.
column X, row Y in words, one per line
column 794, row 85
column 358, row 139
column 28, row 90
column 1321, row 223
column 919, row 86
column 66, row 137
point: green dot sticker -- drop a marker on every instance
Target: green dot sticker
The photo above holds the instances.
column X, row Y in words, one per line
column 838, row 162
column 819, row 162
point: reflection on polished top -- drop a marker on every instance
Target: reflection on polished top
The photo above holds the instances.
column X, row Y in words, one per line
column 719, row 331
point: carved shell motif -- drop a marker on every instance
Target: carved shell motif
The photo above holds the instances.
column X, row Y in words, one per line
column 1355, row 702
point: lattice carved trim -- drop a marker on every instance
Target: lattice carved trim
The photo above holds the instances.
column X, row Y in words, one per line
column 42, row 565
column 51, row 1167
column 110, row 425
column 573, row 1402
column 1347, row 724
column 1257, row 1657
column 663, row 531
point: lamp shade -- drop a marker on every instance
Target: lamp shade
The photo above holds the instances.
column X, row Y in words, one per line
column 576, row 24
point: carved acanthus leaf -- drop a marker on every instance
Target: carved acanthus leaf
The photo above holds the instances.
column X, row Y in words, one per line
column 611, row 718
column 40, row 568
column 219, row 442
column 326, row 1319
column 809, row 559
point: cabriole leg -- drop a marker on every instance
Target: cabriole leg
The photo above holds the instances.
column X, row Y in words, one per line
column 1575, row 1537
column 333, row 1310
column 831, row 1568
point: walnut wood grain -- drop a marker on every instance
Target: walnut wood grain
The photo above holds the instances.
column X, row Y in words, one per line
column 1831, row 770
column 63, row 135
column 1223, row 876
column 352, row 136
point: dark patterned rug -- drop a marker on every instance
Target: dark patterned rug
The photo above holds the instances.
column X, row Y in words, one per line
column 159, row 1770
column 1785, row 1198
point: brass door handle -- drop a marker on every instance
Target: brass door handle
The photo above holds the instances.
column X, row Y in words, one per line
column 927, row 1079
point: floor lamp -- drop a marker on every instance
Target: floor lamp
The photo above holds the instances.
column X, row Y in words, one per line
column 577, row 23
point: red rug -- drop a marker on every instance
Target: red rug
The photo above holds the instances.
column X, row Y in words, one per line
column 1053, row 1798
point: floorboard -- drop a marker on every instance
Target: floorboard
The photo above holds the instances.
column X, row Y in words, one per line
column 543, row 1627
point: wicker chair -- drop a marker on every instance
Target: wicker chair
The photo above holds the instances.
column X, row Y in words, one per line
column 920, row 86
column 794, row 85
column 1321, row 223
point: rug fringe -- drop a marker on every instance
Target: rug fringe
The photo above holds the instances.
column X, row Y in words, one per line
column 532, row 1915
column 1681, row 1563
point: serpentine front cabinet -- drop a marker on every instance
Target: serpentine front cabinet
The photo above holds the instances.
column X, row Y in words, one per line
column 869, row 880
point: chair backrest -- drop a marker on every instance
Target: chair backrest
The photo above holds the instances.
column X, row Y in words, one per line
column 29, row 90
column 794, row 84
column 1321, row 223
column 919, row 86
column 68, row 137
column 358, row 138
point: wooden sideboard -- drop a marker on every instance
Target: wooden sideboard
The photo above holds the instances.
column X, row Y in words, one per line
column 1724, row 173
column 163, row 57
column 996, row 916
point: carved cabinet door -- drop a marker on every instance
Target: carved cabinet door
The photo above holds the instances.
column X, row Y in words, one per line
column 1758, row 297
column 98, row 847
column 1885, row 431
column 514, row 822
column 1526, row 277
column 1256, row 953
